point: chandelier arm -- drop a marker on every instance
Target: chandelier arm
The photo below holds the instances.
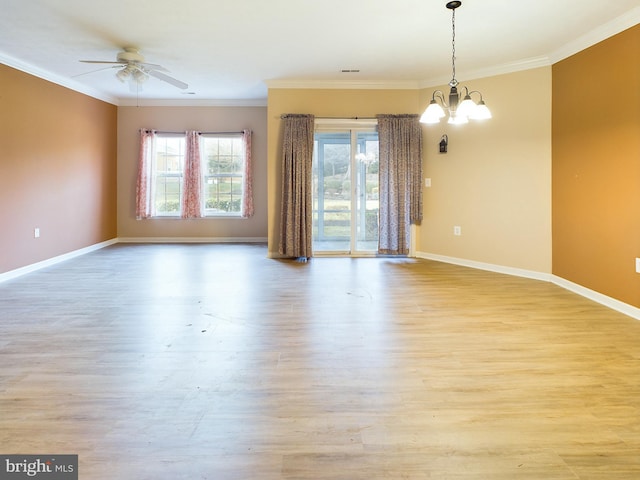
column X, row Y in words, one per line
column 439, row 95
column 475, row 91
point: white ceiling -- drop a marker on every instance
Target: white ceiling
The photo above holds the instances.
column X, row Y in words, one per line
column 228, row 51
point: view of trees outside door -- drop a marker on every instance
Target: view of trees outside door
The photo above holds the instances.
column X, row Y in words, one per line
column 345, row 191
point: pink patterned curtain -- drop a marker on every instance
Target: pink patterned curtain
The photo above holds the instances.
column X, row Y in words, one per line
column 247, row 203
column 192, row 179
column 400, row 138
column 144, row 205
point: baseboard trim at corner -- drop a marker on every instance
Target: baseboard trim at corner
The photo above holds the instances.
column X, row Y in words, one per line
column 192, row 240
column 597, row 297
column 516, row 272
column 18, row 272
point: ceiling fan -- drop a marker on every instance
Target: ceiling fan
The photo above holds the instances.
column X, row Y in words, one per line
column 132, row 67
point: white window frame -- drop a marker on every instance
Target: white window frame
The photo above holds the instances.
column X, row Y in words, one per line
column 213, row 178
column 168, row 174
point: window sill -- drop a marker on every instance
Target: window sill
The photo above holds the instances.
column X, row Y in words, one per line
column 208, row 217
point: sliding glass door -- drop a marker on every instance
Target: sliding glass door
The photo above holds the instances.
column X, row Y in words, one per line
column 345, row 191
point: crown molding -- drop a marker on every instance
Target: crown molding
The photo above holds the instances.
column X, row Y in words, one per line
column 57, row 79
column 597, row 35
column 512, row 67
column 132, row 102
column 343, row 84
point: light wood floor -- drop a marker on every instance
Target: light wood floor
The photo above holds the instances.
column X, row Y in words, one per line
column 214, row 362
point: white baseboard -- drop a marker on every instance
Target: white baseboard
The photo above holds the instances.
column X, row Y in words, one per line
column 192, row 240
column 605, row 300
column 517, row 272
column 18, row 272
column 597, row 297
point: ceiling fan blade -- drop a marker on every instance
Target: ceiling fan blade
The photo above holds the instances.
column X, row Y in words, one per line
column 152, row 66
column 98, row 70
column 168, row 79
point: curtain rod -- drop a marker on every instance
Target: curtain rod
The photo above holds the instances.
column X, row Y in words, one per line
column 161, row 132
column 334, row 118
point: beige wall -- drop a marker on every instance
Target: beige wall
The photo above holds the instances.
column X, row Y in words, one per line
column 596, row 167
column 57, row 170
column 209, row 119
column 495, row 180
column 321, row 103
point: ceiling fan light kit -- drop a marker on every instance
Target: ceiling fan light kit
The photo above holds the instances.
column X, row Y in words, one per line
column 460, row 112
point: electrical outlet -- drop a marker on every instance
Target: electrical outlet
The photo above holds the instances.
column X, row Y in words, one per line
column 36, row 232
column 457, row 231
column 427, row 182
column 637, row 265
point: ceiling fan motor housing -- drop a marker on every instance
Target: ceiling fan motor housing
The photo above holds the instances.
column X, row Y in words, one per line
column 130, row 55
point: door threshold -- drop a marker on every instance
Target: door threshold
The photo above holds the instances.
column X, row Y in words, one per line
column 345, row 254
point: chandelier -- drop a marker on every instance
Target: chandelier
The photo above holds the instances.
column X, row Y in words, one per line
column 459, row 111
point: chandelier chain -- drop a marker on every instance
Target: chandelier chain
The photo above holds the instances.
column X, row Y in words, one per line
column 453, row 46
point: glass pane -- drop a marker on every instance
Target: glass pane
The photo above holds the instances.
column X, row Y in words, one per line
column 367, row 163
column 332, row 192
column 225, row 146
column 170, row 154
column 167, row 195
column 223, row 195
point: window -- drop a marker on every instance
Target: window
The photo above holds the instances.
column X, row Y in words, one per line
column 223, row 172
column 168, row 168
column 193, row 175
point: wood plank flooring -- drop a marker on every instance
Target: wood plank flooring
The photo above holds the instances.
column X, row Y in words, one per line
column 214, row 362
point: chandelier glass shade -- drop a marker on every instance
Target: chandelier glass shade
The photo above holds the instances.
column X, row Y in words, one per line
column 459, row 111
